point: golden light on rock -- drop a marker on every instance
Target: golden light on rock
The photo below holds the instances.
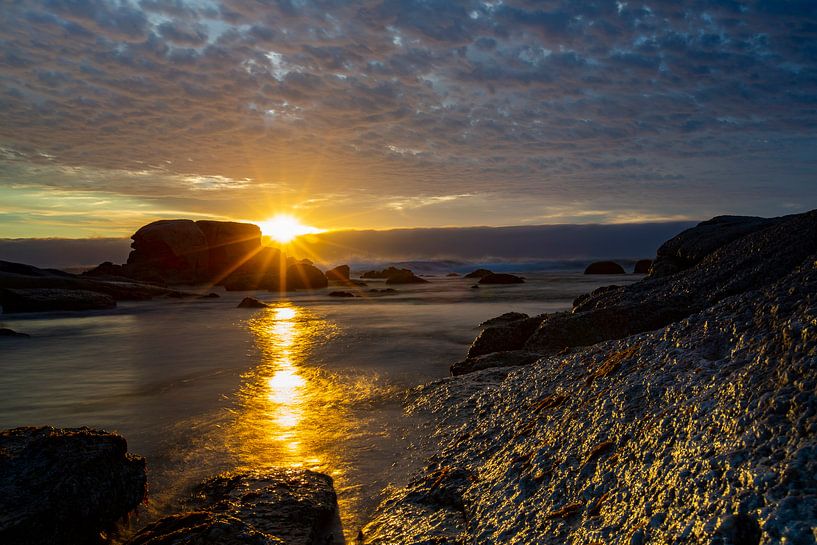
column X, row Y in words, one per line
column 284, row 228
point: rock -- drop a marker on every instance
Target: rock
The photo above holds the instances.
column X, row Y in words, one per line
column 479, row 273
column 341, row 294
column 339, row 274
column 210, row 295
column 5, row 332
column 693, row 245
column 306, row 277
column 385, row 273
column 504, row 338
column 739, row 530
column 452, row 275
column 202, row 528
column 384, row 291
column 496, row 359
column 65, row 485
column 405, row 276
column 253, row 282
column 251, row 302
column 604, row 267
column 474, row 287
column 106, row 269
column 229, row 244
column 174, row 251
column 501, row 278
column 642, row 266
column 44, row 300
column 504, row 319
column 284, row 506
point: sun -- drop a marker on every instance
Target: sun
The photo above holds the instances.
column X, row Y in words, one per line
column 284, row 228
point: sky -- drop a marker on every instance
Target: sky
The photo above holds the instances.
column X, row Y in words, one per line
column 406, row 113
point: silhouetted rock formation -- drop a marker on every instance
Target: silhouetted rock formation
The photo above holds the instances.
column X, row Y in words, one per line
column 495, row 359
column 604, row 267
column 305, row 276
column 479, row 273
column 452, row 275
column 45, row 299
column 291, row 507
column 65, row 486
column 341, row 294
column 405, row 276
column 339, row 274
column 642, row 266
column 501, row 278
column 251, row 302
column 6, row 332
column 691, row 246
column 504, row 319
column 742, row 264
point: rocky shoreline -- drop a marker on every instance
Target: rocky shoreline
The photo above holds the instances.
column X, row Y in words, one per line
column 678, row 409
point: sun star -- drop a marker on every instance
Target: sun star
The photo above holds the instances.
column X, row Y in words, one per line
column 283, row 228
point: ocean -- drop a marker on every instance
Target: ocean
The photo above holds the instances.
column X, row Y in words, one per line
column 199, row 386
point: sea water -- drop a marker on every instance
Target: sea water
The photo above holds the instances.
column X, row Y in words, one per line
column 198, row 386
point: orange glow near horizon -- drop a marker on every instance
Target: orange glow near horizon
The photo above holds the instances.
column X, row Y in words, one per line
column 284, row 228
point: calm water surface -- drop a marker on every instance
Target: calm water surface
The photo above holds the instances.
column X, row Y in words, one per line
column 201, row 386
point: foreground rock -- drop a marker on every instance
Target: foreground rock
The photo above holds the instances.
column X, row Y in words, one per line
column 61, row 486
column 292, row 507
column 501, row 278
column 740, row 265
column 496, row 359
column 704, row 431
column 604, row 267
column 44, row 300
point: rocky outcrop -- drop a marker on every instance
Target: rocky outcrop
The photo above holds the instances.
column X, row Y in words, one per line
column 6, row 332
column 642, row 266
column 501, row 278
column 251, row 302
column 604, row 267
column 511, row 358
column 346, row 294
column 504, row 337
column 60, row 486
column 340, row 273
column 405, row 276
column 748, row 263
column 302, row 276
column 453, row 275
column 691, row 246
column 479, row 273
column 704, row 431
column 286, row 506
column 44, row 300
column 504, row 319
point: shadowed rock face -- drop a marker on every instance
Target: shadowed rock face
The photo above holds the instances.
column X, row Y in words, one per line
column 292, row 507
column 604, row 267
column 339, row 274
column 405, row 276
column 704, row 431
column 304, row 276
column 61, row 486
column 642, row 266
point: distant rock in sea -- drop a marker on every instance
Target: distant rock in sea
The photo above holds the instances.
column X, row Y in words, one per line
column 251, row 302
column 501, row 278
column 642, row 266
column 6, row 332
column 65, row 486
column 341, row 273
column 452, row 275
column 305, row 276
column 346, row 294
column 479, row 273
column 604, row 267
column 405, row 276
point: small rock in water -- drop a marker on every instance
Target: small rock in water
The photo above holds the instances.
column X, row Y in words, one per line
column 341, row 294
column 604, row 267
column 501, row 278
column 251, row 302
column 5, row 332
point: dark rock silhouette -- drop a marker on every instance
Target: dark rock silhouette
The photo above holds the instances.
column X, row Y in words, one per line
column 305, row 276
column 743, row 264
column 452, row 275
column 65, row 485
column 6, row 332
column 384, row 291
column 405, row 276
column 288, row 506
column 691, row 246
column 495, row 359
column 501, row 278
column 339, row 274
column 479, row 273
column 45, row 299
column 251, row 302
column 474, row 287
column 341, row 294
column 504, row 319
column 604, row 267
column 642, row 266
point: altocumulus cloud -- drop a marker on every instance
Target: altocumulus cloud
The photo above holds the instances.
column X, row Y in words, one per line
column 375, row 113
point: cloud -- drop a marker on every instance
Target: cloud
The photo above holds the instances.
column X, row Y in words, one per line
column 641, row 110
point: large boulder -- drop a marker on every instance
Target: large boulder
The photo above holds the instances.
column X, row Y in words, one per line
column 405, row 276
column 479, row 273
column 385, row 273
column 229, row 245
column 501, row 278
column 340, row 273
column 251, row 302
column 302, row 276
column 174, row 251
column 284, row 506
column 604, row 267
column 61, row 486
column 46, row 299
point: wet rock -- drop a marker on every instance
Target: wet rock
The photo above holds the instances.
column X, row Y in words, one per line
column 60, row 486
column 306, row 277
column 501, row 278
column 496, row 359
column 341, row 294
column 405, row 277
column 287, row 506
column 5, row 332
column 504, row 338
column 642, row 266
column 479, row 273
column 604, row 267
column 339, row 274
column 251, row 302
column 504, row 319
column 691, row 246
column 44, row 300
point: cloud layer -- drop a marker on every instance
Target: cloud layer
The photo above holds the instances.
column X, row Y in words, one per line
column 405, row 113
